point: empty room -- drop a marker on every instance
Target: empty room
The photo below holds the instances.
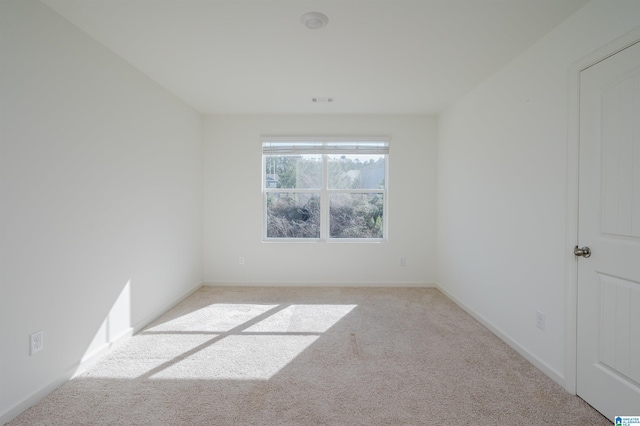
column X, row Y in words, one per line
column 306, row 212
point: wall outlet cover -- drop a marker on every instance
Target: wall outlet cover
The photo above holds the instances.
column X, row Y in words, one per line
column 36, row 342
column 540, row 320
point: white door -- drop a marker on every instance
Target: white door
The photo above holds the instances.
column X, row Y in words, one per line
column 608, row 345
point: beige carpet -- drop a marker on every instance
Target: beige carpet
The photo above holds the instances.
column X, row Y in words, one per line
column 283, row 356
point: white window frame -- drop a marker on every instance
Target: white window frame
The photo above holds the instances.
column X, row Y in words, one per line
column 327, row 146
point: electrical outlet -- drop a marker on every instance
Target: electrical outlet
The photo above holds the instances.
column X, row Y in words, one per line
column 403, row 261
column 540, row 320
column 36, row 343
column 241, row 260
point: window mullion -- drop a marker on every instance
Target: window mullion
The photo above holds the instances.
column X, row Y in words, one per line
column 358, row 191
column 324, row 199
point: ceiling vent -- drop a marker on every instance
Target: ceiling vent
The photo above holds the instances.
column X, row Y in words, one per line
column 314, row 20
column 322, row 99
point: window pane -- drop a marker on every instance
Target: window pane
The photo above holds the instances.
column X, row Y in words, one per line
column 293, row 171
column 356, row 171
column 293, row 215
column 356, row 216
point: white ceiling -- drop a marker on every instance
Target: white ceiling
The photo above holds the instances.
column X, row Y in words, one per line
column 375, row 56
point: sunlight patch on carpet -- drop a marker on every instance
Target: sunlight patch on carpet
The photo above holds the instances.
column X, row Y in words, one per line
column 146, row 353
column 239, row 358
column 216, row 317
column 303, row 318
column 257, row 351
column 224, row 342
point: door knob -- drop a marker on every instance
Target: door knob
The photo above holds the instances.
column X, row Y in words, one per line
column 582, row 251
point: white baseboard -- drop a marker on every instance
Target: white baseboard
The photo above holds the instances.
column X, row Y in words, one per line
column 539, row 364
column 162, row 310
column 345, row 284
column 86, row 361
column 14, row 411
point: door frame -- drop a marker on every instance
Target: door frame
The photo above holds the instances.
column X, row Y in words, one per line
column 573, row 171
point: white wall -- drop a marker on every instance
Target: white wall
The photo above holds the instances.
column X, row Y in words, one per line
column 101, row 199
column 502, row 186
column 233, row 206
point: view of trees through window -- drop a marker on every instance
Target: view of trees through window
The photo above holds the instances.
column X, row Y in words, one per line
column 297, row 187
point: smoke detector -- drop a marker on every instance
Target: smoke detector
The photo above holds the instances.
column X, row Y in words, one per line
column 314, row 20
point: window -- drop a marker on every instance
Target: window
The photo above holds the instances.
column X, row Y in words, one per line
column 324, row 189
